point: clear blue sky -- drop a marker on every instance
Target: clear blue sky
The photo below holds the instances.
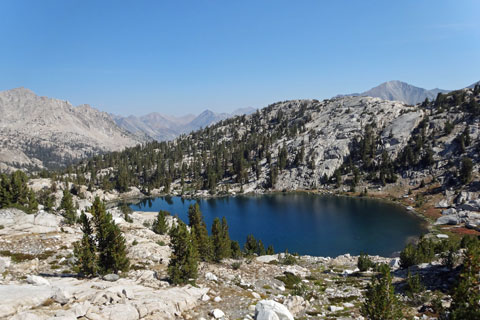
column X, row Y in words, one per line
column 177, row 57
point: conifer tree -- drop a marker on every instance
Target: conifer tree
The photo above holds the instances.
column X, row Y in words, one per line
column 467, row 294
column 183, row 264
column 236, row 252
column 160, row 226
column 67, row 205
column 251, row 245
column 85, row 250
column 220, row 240
column 466, row 170
column 260, row 248
column 380, row 300
column 32, row 202
column 226, row 242
column 200, row 233
column 111, row 245
column 270, row 250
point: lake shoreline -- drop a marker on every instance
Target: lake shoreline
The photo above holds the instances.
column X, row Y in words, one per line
column 339, row 223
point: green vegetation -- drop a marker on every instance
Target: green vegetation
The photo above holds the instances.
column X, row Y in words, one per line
column 183, row 266
column 364, row 262
column 467, row 294
column 220, row 240
column 200, row 233
column 126, row 210
column 289, row 279
column 380, row 300
column 69, row 212
column 15, row 193
column 425, row 250
column 414, row 285
column 102, row 248
column 466, row 170
column 159, row 226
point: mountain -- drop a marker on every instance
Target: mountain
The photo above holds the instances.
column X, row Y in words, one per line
column 473, row 85
column 401, row 91
column 163, row 127
column 356, row 143
column 43, row 132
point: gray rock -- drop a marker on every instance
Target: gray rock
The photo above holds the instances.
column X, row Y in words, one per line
column 295, row 304
column 211, row 277
column 442, row 204
column 449, row 211
column 270, row 310
column 4, row 263
column 394, row 263
column 121, row 312
column 25, row 316
column 450, row 220
column 266, row 258
column 217, row 313
column 61, row 296
column 111, row 277
column 37, row 281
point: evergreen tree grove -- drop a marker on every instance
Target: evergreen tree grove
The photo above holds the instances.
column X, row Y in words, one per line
column 183, row 264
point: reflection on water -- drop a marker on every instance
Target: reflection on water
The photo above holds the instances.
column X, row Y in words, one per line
column 305, row 223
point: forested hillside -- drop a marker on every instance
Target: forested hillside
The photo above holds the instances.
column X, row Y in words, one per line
column 304, row 144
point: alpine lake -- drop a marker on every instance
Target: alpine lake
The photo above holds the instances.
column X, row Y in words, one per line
column 303, row 223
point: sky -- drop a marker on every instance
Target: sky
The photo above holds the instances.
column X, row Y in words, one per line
column 178, row 57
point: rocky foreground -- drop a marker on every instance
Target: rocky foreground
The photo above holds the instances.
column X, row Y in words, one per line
column 37, row 280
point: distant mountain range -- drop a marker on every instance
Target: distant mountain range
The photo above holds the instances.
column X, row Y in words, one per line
column 401, row 91
column 41, row 132
column 162, row 127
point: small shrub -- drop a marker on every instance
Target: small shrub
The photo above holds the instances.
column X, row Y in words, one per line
column 299, row 289
column 288, row 259
column 134, row 242
column 236, row 265
column 414, row 285
column 161, row 243
column 364, row 262
column 289, row 279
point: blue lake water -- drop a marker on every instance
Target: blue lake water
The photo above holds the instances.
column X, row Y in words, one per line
column 305, row 223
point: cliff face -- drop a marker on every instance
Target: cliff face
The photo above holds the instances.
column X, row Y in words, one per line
column 43, row 132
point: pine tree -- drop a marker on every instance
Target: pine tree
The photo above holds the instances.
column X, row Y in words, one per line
column 85, row 250
column 67, row 205
column 160, row 226
column 220, row 240
column 183, row 264
column 260, row 248
column 270, row 250
column 200, row 233
column 251, row 245
column 466, row 170
column 32, row 202
column 380, row 300
column 226, row 242
column 467, row 294
column 236, row 252
column 49, row 203
column 111, row 245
